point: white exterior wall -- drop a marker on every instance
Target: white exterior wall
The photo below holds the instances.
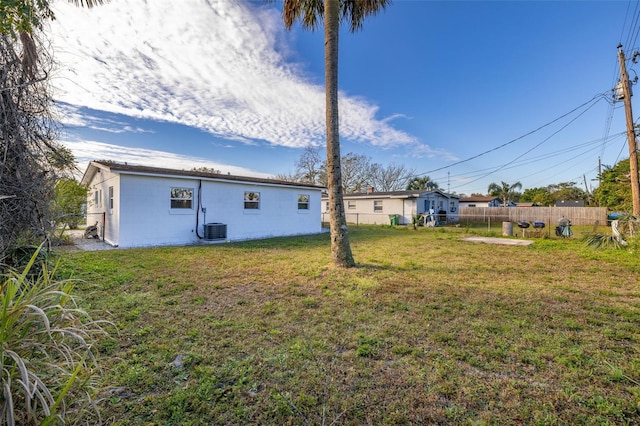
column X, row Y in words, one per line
column 142, row 214
column 277, row 216
column 146, row 217
column 362, row 208
column 475, row 204
column 364, row 213
column 108, row 219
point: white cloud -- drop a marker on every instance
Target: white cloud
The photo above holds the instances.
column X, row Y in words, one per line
column 71, row 116
column 425, row 151
column 86, row 151
column 214, row 65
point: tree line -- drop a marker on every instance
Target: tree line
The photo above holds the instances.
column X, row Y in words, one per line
column 68, row 196
column 544, row 196
column 613, row 191
column 32, row 161
column 359, row 173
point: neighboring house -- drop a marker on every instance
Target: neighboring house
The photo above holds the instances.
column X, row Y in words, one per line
column 377, row 207
column 570, row 203
column 137, row 206
column 480, row 202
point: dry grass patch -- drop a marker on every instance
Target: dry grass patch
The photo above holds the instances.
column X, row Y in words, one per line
column 426, row 330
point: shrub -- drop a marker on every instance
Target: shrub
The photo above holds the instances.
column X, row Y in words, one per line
column 47, row 359
column 603, row 241
column 624, row 231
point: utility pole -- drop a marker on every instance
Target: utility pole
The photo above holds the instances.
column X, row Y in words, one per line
column 599, row 171
column 586, row 188
column 631, row 135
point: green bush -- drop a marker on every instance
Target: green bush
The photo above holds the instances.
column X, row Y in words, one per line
column 19, row 257
column 47, row 360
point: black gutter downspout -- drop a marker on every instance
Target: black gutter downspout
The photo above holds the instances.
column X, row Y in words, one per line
column 199, row 207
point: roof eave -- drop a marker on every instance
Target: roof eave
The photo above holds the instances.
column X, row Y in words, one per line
column 156, row 171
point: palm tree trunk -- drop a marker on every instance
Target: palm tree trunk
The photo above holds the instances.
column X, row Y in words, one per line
column 340, row 248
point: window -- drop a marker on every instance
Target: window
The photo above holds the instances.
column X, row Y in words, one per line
column 471, row 205
column 303, row 202
column 97, row 198
column 251, row 200
column 351, row 204
column 452, row 206
column 377, row 205
column 181, row 198
column 111, row 197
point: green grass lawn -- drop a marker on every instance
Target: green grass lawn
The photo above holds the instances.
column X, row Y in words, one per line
column 427, row 329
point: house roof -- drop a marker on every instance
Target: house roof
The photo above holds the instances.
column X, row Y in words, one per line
column 125, row 168
column 477, row 199
column 397, row 194
column 574, row 203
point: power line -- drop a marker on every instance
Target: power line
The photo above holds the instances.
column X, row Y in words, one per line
column 582, row 147
column 632, row 32
column 547, row 139
column 596, row 98
column 637, row 30
column 624, row 145
column 560, row 170
column 633, row 26
column 625, row 20
column 585, row 149
column 610, row 111
column 616, row 70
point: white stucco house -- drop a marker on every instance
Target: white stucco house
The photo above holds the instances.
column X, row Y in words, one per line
column 376, row 207
column 480, row 201
column 137, row 206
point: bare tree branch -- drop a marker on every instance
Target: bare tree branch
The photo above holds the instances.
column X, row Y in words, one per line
column 31, row 160
column 393, row 177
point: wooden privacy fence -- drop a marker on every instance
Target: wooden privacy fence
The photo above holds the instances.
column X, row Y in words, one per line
column 548, row 215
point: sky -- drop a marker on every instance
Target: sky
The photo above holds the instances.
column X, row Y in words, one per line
column 466, row 92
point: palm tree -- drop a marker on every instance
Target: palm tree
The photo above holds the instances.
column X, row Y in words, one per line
column 310, row 13
column 504, row 191
column 31, row 158
column 22, row 18
column 424, row 182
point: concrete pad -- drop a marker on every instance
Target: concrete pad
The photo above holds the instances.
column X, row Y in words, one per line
column 92, row 244
column 501, row 241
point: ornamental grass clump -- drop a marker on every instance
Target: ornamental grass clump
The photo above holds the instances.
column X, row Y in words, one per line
column 47, row 359
column 624, row 231
column 604, row 241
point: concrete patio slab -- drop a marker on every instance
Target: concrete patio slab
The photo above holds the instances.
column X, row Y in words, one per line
column 501, row 241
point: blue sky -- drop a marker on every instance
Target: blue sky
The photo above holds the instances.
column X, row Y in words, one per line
column 468, row 93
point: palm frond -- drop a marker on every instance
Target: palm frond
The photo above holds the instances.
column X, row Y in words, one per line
column 603, row 242
column 354, row 11
column 87, row 3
